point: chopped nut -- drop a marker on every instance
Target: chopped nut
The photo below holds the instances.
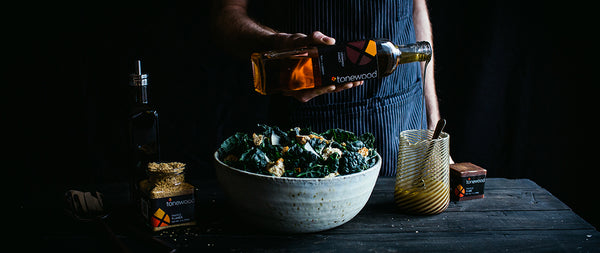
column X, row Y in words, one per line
column 276, row 168
column 313, row 136
column 332, row 175
column 364, row 151
column 302, row 139
column 258, row 139
column 328, row 151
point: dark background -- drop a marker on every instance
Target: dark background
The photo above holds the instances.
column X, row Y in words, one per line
column 514, row 82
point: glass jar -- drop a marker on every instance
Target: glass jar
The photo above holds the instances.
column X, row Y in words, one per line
column 167, row 200
column 422, row 179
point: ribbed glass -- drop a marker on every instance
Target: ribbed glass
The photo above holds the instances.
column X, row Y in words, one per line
column 422, row 177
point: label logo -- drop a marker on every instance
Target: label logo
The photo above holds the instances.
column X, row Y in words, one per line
column 352, row 78
column 361, row 52
column 160, row 218
column 475, row 181
column 459, row 191
column 171, row 203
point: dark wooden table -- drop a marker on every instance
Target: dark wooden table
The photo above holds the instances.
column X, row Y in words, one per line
column 515, row 215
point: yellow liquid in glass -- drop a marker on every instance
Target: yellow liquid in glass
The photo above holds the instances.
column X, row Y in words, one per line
column 432, row 198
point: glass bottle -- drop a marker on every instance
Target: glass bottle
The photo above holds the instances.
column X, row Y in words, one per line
column 311, row 67
column 143, row 131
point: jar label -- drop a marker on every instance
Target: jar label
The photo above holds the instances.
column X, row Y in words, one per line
column 348, row 62
column 169, row 211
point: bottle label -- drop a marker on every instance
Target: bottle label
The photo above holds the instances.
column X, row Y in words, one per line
column 348, row 62
column 162, row 212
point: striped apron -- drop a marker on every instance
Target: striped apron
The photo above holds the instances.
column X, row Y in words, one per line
column 384, row 107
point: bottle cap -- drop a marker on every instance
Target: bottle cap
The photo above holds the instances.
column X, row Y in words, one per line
column 138, row 79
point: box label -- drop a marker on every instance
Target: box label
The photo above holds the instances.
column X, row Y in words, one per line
column 468, row 186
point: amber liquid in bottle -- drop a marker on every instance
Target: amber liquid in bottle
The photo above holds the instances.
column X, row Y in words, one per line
column 297, row 69
column 290, row 70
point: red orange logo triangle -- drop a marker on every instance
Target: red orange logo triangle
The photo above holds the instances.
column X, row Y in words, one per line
column 361, row 52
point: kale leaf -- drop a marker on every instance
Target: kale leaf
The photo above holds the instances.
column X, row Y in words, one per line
column 276, row 135
column 352, row 162
column 339, row 135
column 235, row 145
column 254, row 160
column 368, row 139
column 298, row 157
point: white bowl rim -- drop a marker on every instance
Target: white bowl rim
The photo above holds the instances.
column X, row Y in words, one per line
column 374, row 167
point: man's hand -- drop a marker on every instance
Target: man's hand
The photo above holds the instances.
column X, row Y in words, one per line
column 232, row 25
column 308, row 94
column 286, row 40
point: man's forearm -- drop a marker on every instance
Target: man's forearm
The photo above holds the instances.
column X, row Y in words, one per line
column 423, row 33
column 238, row 32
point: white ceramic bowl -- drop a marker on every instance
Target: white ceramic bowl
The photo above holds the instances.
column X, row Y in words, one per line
column 296, row 205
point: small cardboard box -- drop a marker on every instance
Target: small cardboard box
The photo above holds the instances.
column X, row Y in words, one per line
column 467, row 181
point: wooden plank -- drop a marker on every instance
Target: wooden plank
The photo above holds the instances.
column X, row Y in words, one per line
column 387, row 184
column 505, row 183
column 481, row 241
column 495, row 199
column 465, row 221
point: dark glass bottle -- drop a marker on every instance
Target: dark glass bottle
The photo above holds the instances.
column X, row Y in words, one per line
column 143, row 131
column 311, row 67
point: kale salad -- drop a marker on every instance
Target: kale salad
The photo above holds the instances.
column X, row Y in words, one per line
column 299, row 152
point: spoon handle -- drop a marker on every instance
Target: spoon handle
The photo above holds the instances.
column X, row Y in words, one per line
column 438, row 128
